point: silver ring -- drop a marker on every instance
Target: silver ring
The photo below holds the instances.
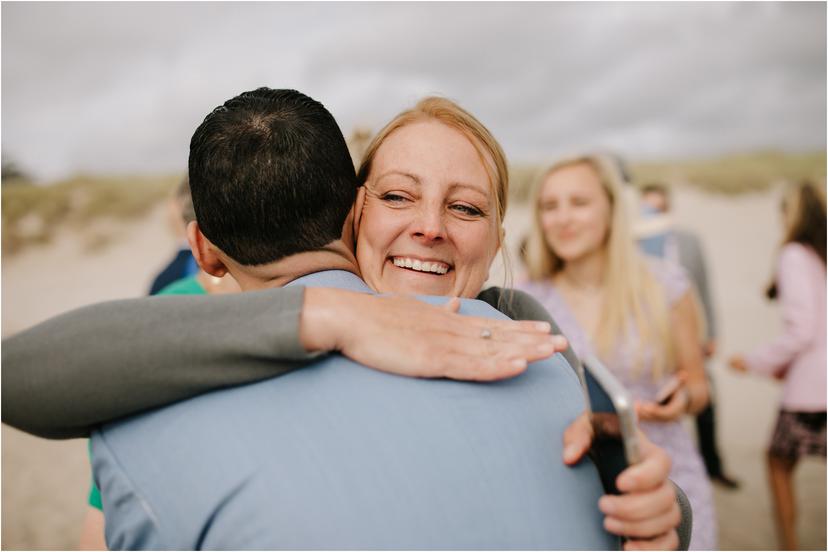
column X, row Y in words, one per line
column 485, row 333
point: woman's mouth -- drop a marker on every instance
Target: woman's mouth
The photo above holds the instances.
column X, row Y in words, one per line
column 433, row 267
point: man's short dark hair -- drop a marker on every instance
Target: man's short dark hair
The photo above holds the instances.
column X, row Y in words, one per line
column 271, row 176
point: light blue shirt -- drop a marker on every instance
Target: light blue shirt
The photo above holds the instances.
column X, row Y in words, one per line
column 339, row 456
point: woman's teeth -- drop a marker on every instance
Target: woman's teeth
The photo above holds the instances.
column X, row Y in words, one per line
column 421, row 266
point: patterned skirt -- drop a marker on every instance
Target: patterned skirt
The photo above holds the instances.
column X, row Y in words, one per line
column 798, row 434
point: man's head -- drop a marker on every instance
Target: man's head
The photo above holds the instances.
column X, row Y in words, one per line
column 270, row 176
column 656, row 196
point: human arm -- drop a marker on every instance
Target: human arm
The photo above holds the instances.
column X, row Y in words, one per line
column 692, row 395
column 799, row 315
column 647, row 504
column 65, row 376
column 92, row 530
column 647, row 512
column 74, row 372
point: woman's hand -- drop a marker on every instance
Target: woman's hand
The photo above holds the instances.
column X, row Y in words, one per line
column 408, row 337
column 677, row 406
column 647, row 513
column 737, row 363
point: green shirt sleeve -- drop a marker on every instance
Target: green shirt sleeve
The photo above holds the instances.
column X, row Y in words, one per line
column 94, row 493
column 184, row 286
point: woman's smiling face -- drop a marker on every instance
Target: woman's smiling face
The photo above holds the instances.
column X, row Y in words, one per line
column 428, row 222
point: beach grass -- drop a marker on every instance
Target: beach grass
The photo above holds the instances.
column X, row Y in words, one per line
column 34, row 214
column 729, row 174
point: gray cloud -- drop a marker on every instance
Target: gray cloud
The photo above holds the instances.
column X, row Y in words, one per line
column 119, row 87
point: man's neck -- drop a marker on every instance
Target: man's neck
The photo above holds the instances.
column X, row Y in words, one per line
column 334, row 256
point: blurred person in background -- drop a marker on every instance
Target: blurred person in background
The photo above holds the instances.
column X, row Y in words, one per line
column 182, row 265
column 797, row 356
column 201, row 283
column 636, row 315
column 658, row 236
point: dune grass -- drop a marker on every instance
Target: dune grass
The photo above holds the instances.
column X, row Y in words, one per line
column 34, row 214
column 731, row 174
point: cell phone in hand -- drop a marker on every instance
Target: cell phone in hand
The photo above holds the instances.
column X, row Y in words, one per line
column 615, row 443
column 665, row 394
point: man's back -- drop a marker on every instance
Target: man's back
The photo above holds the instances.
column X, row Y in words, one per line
column 338, row 456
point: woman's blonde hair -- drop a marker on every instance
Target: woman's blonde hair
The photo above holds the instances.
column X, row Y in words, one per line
column 631, row 293
column 449, row 113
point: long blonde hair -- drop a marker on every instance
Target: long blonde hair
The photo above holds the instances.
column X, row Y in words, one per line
column 631, row 293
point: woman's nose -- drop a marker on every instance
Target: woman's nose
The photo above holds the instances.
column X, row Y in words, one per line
column 429, row 224
column 563, row 214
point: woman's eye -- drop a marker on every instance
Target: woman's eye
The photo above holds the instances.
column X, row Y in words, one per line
column 393, row 198
column 467, row 210
column 580, row 201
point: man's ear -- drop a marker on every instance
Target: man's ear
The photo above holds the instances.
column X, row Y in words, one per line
column 205, row 253
column 358, row 205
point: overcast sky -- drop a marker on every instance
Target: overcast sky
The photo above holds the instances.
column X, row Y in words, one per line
column 120, row 87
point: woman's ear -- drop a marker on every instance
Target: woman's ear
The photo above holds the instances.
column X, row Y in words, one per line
column 358, row 205
column 205, row 253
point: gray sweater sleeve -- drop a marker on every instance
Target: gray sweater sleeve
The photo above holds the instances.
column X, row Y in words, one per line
column 62, row 378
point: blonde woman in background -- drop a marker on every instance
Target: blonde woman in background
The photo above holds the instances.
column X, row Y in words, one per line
column 798, row 355
column 638, row 315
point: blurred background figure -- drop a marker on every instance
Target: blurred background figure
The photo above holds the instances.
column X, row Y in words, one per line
column 180, row 209
column 798, row 355
column 199, row 283
column 636, row 315
column 658, row 236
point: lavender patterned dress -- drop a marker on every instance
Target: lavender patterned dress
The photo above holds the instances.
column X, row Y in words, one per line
column 688, row 469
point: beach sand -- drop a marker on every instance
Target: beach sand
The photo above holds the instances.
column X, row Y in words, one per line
column 45, row 483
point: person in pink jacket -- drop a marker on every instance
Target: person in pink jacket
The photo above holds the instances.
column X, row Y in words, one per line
column 797, row 356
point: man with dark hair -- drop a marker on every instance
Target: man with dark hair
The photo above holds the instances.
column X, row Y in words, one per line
column 262, row 137
column 662, row 239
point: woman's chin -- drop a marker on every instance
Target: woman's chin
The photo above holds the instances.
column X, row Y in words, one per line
column 411, row 282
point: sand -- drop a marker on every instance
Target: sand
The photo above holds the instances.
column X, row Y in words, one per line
column 45, row 482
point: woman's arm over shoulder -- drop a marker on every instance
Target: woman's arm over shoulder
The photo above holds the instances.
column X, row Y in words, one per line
column 92, row 365
column 797, row 277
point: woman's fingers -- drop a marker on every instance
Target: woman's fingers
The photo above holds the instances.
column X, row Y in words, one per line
column 673, row 410
column 649, row 528
column 452, row 305
column 577, row 439
column 639, row 506
column 648, row 474
column 405, row 336
column 667, row 541
column 470, row 368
